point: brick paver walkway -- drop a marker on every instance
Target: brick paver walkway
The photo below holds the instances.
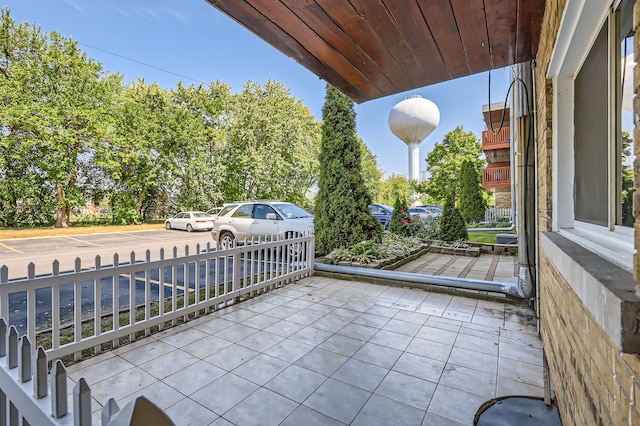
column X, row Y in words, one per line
column 485, row 267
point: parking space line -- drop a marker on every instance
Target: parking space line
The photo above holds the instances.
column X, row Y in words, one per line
column 11, row 249
column 135, row 234
column 82, row 241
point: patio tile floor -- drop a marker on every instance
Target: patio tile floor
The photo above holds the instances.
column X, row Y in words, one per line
column 325, row 351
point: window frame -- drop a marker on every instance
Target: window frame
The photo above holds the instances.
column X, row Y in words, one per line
column 582, row 22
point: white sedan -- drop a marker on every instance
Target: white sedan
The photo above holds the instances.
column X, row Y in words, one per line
column 425, row 212
column 191, row 221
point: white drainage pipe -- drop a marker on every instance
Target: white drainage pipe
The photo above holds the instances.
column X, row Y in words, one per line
column 511, row 288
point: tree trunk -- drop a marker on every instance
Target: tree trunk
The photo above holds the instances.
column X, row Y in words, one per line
column 62, row 212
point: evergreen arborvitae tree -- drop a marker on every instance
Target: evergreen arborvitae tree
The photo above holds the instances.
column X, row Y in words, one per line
column 400, row 217
column 452, row 226
column 342, row 216
column 472, row 205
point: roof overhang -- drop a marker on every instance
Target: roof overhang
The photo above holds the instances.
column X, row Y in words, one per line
column 374, row 48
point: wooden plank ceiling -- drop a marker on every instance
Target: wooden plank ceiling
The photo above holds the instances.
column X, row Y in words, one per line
column 373, row 48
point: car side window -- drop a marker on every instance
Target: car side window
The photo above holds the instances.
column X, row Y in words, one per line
column 244, row 211
column 261, row 211
column 226, row 209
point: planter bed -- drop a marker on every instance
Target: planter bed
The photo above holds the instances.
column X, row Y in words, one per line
column 474, row 250
column 389, row 263
column 458, row 251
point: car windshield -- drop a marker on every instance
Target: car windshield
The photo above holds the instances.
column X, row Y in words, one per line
column 201, row 214
column 291, row 211
column 381, row 209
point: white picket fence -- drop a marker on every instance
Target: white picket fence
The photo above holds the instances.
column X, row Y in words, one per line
column 498, row 214
column 88, row 308
column 29, row 395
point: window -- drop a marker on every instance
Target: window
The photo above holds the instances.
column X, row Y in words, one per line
column 261, row 211
column 244, row 211
column 592, row 181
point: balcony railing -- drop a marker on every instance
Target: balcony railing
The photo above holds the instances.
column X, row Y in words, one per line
column 496, row 177
column 498, row 140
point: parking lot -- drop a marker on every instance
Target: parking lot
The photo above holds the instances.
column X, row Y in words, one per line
column 16, row 254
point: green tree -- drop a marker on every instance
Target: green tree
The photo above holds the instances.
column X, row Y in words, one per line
column 136, row 158
column 400, row 218
column 271, row 146
column 342, row 216
column 392, row 188
column 472, row 205
column 444, row 163
column 371, row 172
column 58, row 101
column 198, row 172
column 452, row 226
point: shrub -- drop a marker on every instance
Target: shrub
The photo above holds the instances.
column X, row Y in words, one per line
column 392, row 245
column 426, row 229
column 342, row 216
column 452, row 226
column 401, row 219
column 472, row 204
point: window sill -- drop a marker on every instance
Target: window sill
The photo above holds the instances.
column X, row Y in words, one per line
column 607, row 290
column 615, row 246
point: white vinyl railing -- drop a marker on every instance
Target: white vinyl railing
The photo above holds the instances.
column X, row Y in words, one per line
column 92, row 309
column 80, row 310
column 498, row 214
column 30, row 395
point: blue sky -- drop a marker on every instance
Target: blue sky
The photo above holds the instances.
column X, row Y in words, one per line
column 165, row 41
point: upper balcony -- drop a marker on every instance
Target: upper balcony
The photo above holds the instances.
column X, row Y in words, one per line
column 496, row 177
column 499, row 140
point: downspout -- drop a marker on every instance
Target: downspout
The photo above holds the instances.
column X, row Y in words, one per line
column 512, row 155
column 536, row 244
column 524, row 127
column 510, row 288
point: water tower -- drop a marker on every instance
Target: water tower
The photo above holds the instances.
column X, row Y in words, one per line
column 412, row 120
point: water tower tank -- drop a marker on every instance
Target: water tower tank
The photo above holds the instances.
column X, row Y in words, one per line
column 412, row 120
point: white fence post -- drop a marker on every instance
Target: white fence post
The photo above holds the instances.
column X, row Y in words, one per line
column 40, row 389
column 12, row 349
column 110, row 409
column 58, row 390
column 81, row 403
column 24, row 360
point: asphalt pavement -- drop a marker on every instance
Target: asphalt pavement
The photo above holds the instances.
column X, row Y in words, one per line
column 17, row 254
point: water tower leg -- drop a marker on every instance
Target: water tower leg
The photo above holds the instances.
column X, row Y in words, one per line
column 414, row 160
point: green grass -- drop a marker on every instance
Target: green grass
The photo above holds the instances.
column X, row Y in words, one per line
column 485, row 236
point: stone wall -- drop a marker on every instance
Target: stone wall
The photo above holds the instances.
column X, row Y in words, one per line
column 503, row 198
column 544, row 113
column 595, row 383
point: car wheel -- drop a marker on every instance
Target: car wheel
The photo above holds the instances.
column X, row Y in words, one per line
column 167, row 225
column 189, row 227
column 226, row 240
